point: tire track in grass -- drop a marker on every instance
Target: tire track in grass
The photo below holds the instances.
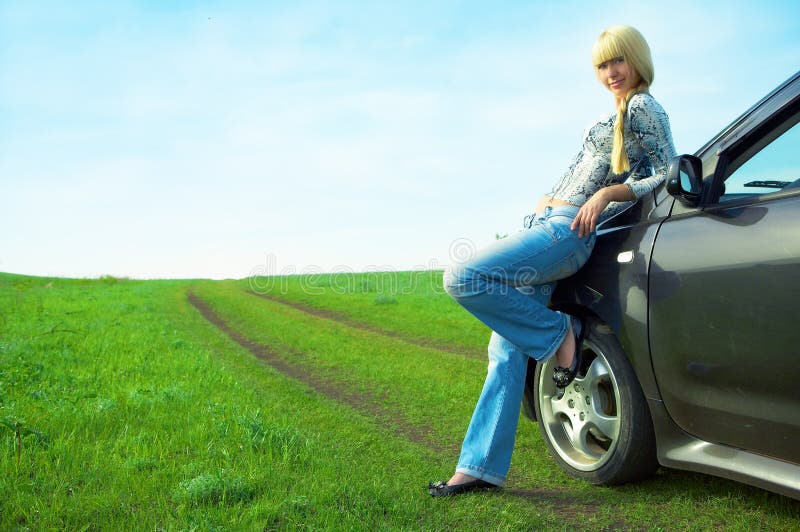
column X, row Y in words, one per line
column 364, row 403
column 563, row 503
column 344, row 319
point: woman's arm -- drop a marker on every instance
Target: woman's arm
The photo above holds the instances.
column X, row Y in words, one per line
column 649, row 125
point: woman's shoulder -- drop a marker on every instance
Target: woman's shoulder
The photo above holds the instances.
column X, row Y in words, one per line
column 643, row 105
column 644, row 100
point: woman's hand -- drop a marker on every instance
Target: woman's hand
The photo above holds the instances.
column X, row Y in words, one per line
column 586, row 219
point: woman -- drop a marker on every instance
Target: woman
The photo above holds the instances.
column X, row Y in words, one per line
column 508, row 285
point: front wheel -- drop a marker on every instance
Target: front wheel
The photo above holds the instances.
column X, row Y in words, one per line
column 599, row 427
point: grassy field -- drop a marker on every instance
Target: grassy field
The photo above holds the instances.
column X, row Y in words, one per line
column 295, row 402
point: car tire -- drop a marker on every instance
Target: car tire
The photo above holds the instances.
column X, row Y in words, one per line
column 598, row 428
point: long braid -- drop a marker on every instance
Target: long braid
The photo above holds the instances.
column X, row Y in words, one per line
column 619, row 156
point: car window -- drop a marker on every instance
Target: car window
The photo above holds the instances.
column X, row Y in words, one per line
column 773, row 168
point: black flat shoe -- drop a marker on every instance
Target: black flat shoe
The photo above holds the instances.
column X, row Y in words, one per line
column 564, row 376
column 441, row 489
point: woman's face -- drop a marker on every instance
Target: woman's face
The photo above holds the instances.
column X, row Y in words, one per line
column 618, row 76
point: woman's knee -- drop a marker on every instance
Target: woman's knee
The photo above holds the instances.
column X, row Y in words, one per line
column 460, row 281
column 451, row 281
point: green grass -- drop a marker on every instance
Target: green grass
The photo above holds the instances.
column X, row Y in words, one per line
column 413, row 304
column 122, row 407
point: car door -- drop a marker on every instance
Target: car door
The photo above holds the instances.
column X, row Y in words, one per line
column 724, row 298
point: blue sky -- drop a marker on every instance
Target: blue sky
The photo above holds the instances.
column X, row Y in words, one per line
column 214, row 139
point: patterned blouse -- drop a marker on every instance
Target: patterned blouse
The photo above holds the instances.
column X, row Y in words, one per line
column 648, row 142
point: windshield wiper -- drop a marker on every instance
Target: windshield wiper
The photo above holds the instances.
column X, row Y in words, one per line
column 767, row 184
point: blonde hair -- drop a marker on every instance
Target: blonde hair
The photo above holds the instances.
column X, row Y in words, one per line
column 628, row 43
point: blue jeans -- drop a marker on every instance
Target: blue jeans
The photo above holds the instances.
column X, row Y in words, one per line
column 508, row 286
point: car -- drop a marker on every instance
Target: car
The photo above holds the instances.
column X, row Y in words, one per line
column 692, row 354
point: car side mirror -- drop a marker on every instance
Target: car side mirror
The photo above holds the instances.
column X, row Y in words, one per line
column 685, row 179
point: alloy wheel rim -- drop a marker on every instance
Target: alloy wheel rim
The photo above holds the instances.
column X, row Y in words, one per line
column 582, row 421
